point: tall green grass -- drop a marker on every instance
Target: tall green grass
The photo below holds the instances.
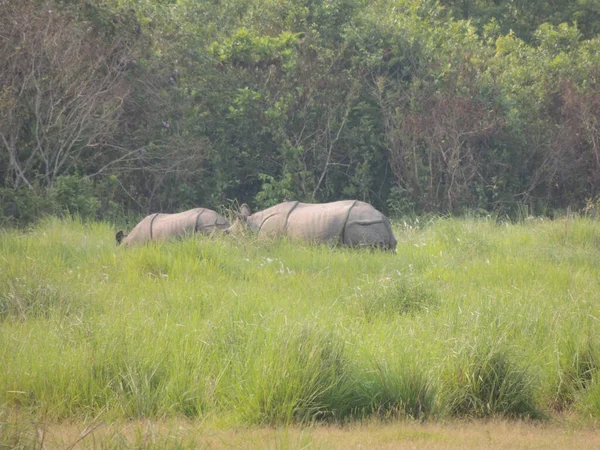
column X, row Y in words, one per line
column 469, row 318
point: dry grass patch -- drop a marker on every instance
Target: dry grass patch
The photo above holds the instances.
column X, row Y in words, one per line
column 183, row 434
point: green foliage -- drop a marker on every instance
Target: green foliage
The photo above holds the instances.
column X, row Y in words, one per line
column 75, row 195
column 244, row 50
column 470, row 319
column 70, row 195
column 590, row 399
column 305, row 379
column 399, row 391
column 400, row 202
column 524, row 17
column 579, row 365
column 23, row 206
column 488, row 383
column 396, row 297
column 273, row 191
column 415, row 106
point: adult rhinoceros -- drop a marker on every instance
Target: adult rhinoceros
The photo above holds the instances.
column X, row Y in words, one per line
column 164, row 226
column 348, row 222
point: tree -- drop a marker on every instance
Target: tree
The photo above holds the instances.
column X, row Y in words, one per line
column 63, row 89
column 524, row 17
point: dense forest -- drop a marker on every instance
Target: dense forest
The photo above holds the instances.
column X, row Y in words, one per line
column 113, row 107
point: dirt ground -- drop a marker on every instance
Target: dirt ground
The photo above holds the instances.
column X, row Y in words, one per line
column 454, row 435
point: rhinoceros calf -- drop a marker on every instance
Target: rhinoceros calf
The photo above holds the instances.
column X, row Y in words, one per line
column 164, row 226
column 348, row 222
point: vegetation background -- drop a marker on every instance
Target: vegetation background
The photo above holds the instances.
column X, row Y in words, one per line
column 111, row 109
column 445, row 106
column 470, row 320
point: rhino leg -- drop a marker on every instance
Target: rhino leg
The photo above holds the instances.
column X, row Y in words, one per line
column 391, row 245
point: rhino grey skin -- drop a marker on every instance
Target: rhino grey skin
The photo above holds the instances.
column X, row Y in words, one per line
column 165, row 226
column 348, row 222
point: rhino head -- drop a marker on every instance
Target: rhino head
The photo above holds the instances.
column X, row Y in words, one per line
column 242, row 222
column 238, row 228
column 119, row 237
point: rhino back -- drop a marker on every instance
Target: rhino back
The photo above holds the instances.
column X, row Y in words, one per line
column 164, row 226
column 273, row 221
column 199, row 220
column 140, row 233
column 174, row 225
column 319, row 222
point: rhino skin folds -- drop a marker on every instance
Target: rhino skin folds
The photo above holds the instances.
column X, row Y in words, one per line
column 348, row 222
column 166, row 226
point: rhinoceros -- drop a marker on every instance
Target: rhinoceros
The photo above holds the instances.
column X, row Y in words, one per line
column 164, row 226
column 348, row 222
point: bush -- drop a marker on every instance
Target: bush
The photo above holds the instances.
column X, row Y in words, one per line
column 23, row 206
column 70, row 195
column 579, row 364
column 487, row 383
column 401, row 391
column 75, row 195
column 302, row 378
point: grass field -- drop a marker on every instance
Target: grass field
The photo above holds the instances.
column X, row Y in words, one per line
column 470, row 319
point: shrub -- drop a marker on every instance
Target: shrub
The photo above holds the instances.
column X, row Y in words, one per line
column 401, row 391
column 487, row 383
column 75, row 195
column 579, row 364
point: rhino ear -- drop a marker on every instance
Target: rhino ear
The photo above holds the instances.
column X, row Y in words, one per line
column 119, row 237
column 245, row 210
